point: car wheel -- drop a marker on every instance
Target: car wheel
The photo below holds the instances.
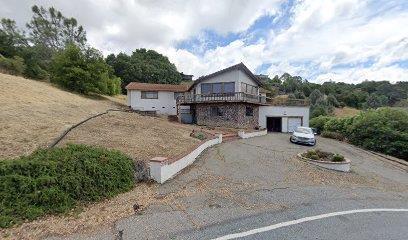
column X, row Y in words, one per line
column 314, row 143
column 291, row 140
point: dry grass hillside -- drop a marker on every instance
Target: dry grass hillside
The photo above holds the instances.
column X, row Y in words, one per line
column 33, row 113
column 346, row 112
column 141, row 137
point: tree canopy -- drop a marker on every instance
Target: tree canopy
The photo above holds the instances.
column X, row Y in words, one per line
column 147, row 66
column 53, row 30
column 324, row 97
column 83, row 71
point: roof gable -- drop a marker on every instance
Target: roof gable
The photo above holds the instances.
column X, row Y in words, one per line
column 239, row 66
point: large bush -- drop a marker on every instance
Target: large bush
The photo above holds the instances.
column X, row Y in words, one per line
column 53, row 181
column 339, row 125
column 319, row 122
column 13, row 65
column 84, row 71
column 384, row 130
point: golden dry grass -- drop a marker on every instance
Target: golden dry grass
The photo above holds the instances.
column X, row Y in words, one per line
column 141, row 137
column 33, row 113
column 85, row 219
column 346, row 112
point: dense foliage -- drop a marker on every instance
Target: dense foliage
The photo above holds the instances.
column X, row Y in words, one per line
column 55, row 180
column 383, row 130
column 143, row 65
column 324, row 97
column 83, row 71
column 48, row 32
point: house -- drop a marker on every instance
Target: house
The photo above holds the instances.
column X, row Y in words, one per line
column 158, row 98
column 232, row 97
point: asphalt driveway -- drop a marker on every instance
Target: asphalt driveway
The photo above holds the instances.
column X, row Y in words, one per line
column 246, row 184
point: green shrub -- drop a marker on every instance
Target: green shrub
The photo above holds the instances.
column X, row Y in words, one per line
column 319, row 122
column 383, row 130
column 338, row 125
column 13, row 65
column 333, row 135
column 312, row 154
column 83, row 71
column 53, row 181
column 337, row 158
column 199, row 135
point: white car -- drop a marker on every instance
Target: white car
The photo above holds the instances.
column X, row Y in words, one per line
column 303, row 135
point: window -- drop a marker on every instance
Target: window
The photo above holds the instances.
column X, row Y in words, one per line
column 206, row 88
column 249, row 111
column 177, row 94
column 216, row 111
column 149, row 95
column 217, row 88
column 229, row 87
column 249, row 89
column 220, row 87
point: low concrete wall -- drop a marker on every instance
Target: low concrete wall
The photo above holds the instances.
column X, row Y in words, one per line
column 338, row 166
column 162, row 169
column 244, row 135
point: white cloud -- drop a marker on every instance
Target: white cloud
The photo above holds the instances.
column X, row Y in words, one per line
column 115, row 26
column 319, row 35
column 328, row 33
column 391, row 73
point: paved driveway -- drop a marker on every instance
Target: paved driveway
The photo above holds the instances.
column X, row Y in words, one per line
column 247, row 184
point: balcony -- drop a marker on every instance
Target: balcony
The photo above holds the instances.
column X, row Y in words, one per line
column 189, row 98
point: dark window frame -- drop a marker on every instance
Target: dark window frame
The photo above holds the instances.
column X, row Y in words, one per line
column 144, row 95
column 249, row 89
column 216, row 112
column 249, row 111
column 211, row 88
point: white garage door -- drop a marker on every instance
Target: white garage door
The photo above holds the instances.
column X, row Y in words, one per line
column 293, row 123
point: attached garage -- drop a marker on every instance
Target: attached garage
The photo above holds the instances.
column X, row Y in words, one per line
column 283, row 118
column 293, row 123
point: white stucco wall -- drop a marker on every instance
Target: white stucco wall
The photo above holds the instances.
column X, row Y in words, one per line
column 128, row 97
column 161, row 172
column 164, row 104
column 225, row 77
column 243, row 78
column 236, row 76
column 284, row 112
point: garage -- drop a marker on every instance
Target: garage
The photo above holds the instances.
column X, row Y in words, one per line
column 274, row 124
column 283, row 118
column 293, row 123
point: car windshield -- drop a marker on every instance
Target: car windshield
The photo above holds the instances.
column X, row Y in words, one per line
column 304, row 130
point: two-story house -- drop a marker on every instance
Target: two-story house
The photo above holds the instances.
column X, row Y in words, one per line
column 232, row 98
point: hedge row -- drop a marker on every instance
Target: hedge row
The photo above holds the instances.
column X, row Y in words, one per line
column 383, row 130
column 55, row 180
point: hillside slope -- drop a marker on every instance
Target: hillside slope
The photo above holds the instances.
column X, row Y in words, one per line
column 33, row 113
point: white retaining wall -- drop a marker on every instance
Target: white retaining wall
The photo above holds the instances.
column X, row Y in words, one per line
column 161, row 171
column 244, row 135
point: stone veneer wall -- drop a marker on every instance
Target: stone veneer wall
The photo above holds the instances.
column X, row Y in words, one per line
column 233, row 115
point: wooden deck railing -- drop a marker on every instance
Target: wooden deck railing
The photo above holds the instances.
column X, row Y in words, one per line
column 189, row 98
